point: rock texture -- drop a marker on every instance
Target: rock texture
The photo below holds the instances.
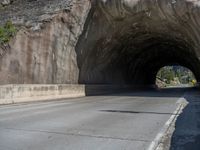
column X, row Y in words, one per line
column 99, row 41
column 5, row 2
column 43, row 50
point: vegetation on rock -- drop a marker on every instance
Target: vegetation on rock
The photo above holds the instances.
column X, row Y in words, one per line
column 7, row 32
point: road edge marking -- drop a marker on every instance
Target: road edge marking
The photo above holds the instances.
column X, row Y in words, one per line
column 182, row 103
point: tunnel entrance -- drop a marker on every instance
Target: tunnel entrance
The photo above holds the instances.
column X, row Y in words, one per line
column 128, row 48
column 175, row 76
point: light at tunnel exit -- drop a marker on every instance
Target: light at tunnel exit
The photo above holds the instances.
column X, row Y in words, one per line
column 175, row 76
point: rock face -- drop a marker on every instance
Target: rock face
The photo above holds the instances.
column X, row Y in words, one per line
column 43, row 50
column 99, row 41
column 5, row 2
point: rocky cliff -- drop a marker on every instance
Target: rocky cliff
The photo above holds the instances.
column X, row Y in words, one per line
column 43, row 50
column 98, row 41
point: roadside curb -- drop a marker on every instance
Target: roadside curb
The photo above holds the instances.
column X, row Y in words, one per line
column 182, row 103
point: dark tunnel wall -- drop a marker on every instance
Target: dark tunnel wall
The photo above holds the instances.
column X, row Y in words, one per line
column 128, row 43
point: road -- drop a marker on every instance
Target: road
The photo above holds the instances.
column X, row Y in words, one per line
column 187, row 127
column 129, row 121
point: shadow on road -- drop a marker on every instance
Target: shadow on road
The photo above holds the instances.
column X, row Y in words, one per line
column 187, row 127
column 140, row 92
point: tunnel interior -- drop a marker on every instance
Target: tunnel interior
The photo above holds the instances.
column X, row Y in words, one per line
column 132, row 50
column 129, row 61
column 143, row 67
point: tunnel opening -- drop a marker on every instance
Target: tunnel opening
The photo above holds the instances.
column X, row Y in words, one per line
column 154, row 53
column 175, row 76
column 128, row 45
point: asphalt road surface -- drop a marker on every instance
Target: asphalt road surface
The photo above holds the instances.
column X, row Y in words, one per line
column 129, row 121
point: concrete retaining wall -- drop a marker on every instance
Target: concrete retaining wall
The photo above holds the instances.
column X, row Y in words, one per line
column 36, row 92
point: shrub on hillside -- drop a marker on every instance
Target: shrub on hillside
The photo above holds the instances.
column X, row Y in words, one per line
column 7, row 32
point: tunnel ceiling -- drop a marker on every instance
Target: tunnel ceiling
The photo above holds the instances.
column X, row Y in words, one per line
column 129, row 41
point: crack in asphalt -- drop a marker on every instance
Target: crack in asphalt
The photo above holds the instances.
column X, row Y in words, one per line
column 138, row 112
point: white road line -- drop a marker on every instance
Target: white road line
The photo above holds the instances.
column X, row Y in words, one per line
column 181, row 105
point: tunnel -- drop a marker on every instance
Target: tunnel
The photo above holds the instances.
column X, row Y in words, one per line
column 128, row 45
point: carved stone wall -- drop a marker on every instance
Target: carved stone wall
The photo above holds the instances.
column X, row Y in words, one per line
column 128, row 41
column 43, row 50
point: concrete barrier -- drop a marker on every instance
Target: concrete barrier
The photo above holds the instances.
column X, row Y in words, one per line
column 29, row 92
column 16, row 93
